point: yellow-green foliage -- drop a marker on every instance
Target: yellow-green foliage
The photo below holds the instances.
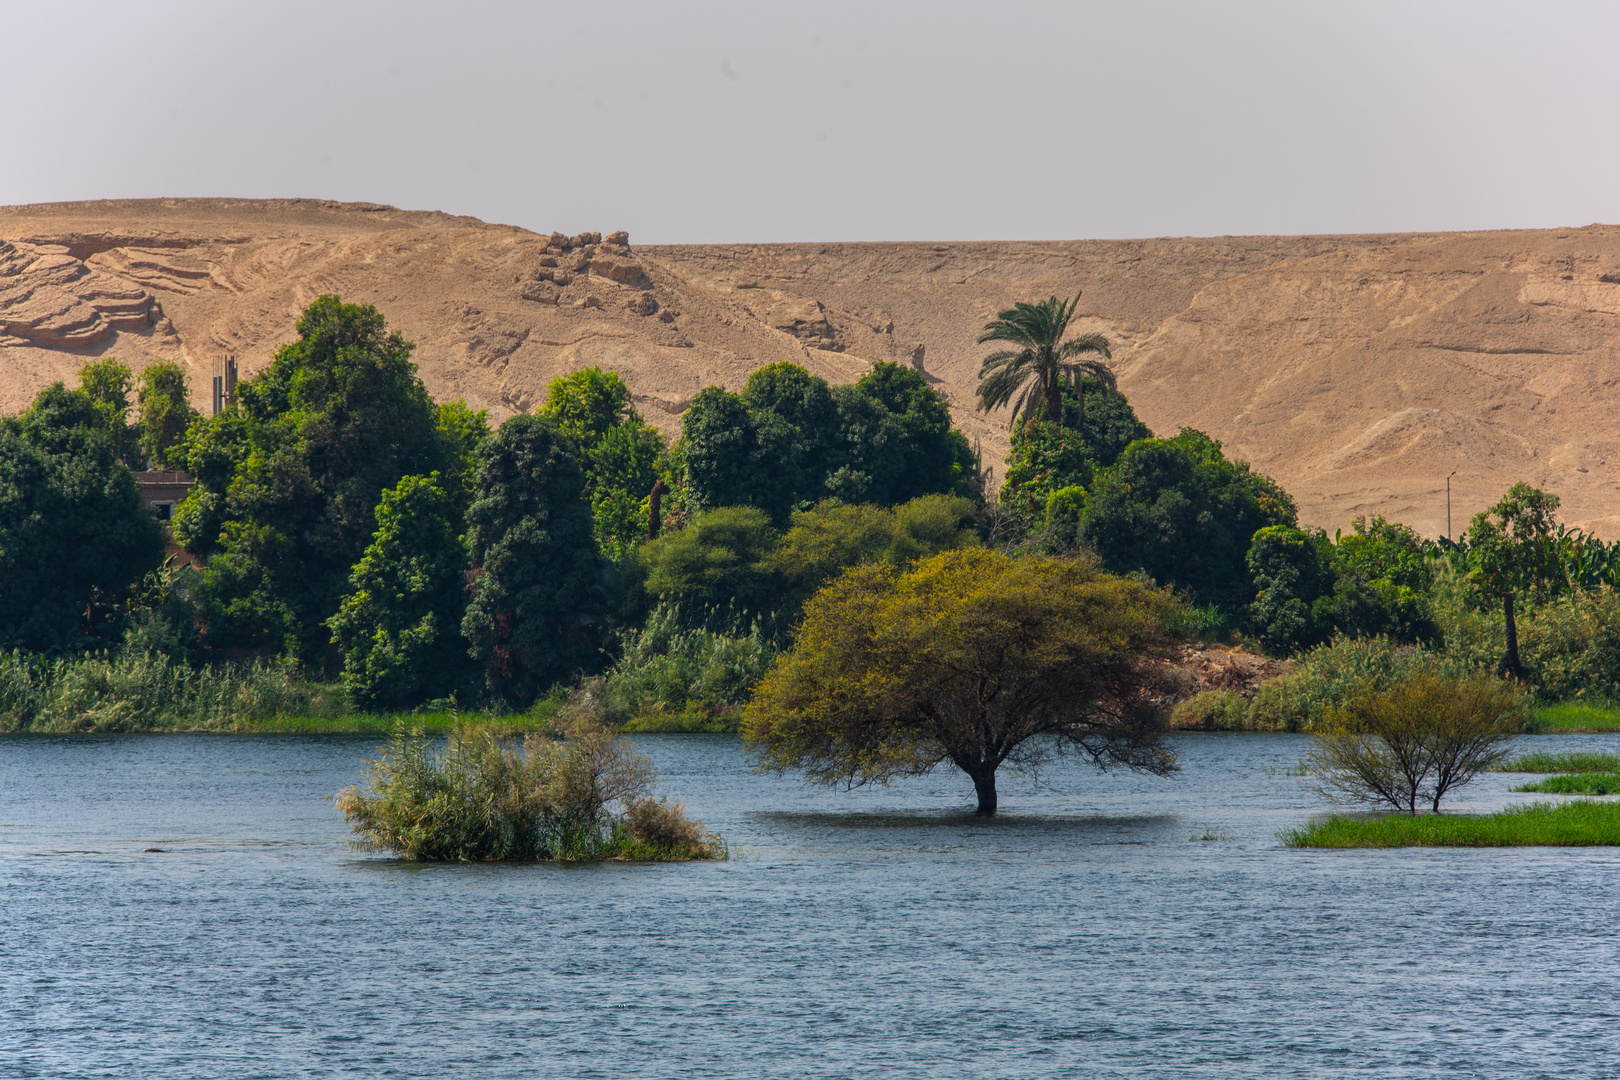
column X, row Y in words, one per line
column 1212, row 710
column 482, row 798
column 965, row 658
column 1415, row 741
column 1328, row 677
column 1573, row 824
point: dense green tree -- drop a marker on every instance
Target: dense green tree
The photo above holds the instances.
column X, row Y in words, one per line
column 719, row 570
column 400, row 626
column 720, row 446
column 1383, row 582
column 290, row 478
column 1104, row 418
column 107, row 383
column 1181, row 511
column 1292, row 572
column 75, row 541
column 1512, row 550
column 895, row 430
column 1044, row 458
column 538, row 611
column 165, row 414
column 788, row 441
column 462, row 430
column 1039, row 361
column 831, row 537
column 796, row 432
column 973, row 658
column 622, row 454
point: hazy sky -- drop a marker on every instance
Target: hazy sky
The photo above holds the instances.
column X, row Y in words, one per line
column 695, row 122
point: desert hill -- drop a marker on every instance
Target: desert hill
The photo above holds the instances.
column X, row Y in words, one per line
column 1357, row 370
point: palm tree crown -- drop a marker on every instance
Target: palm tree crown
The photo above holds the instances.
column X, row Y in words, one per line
column 1035, row 367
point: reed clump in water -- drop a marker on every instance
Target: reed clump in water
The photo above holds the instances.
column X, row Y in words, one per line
column 1589, row 783
column 1571, row 761
column 576, row 793
column 1583, row 823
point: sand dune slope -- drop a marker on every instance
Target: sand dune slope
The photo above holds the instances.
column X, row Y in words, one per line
column 1357, row 370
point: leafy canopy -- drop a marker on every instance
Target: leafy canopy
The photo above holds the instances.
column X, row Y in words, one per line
column 969, row 657
column 788, row 441
column 289, row 479
column 1180, row 511
column 75, row 541
column 400, row 626
column 538, row 611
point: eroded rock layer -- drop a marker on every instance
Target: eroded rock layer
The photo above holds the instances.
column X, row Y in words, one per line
column 1359, row 370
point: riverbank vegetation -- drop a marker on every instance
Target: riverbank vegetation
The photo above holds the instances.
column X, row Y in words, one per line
column 1573, row 824
column 577, row 792
column 365, row 553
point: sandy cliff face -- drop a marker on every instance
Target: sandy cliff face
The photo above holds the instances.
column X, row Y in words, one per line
column 1357, row 370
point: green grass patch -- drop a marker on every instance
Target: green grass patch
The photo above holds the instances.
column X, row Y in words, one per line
column 1591, row 783
column 1573, row 824
column 1572, row 761
column 1576, row 716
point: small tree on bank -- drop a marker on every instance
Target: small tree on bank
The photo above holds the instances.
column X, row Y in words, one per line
column 1415, row 742
column 971, row 657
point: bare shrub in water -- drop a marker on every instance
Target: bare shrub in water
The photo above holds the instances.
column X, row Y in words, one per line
column 483, row 798
column 1416, row 741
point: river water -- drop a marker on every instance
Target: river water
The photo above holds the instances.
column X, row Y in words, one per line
column 882, row 933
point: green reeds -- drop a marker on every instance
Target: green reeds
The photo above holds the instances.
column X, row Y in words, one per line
column 1575, row 824
column 1589, row 783
column 1577, row 716
column 1574, row 761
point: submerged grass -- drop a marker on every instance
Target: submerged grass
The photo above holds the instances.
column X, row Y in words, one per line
column 1591, row 783
column 1574, row 824
column 1572, row 761
column 1577, row 716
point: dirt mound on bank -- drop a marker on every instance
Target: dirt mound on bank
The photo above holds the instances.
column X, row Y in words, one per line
column 1358, row 370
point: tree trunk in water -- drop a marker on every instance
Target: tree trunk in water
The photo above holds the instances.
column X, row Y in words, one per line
column 1512, row 638
column 985, row 786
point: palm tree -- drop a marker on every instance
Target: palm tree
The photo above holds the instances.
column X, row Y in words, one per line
column 1035, row 369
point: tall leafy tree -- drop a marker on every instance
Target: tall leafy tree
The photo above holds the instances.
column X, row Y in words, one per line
column 164, row 403
column 789, row 440
column 622, row 454
column 75, row 540
column 1034, row 368
column 1512, row 550
column 1293, row 578
column 969, row 658
column 538, row 611
column 290, row 479
column 400, row 625
column 107, row 384
column 1181, row 511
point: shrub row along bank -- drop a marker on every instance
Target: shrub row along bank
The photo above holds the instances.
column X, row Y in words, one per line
column 1576, row 824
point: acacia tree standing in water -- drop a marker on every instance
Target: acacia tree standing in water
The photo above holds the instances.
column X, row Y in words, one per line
column 971, row 657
